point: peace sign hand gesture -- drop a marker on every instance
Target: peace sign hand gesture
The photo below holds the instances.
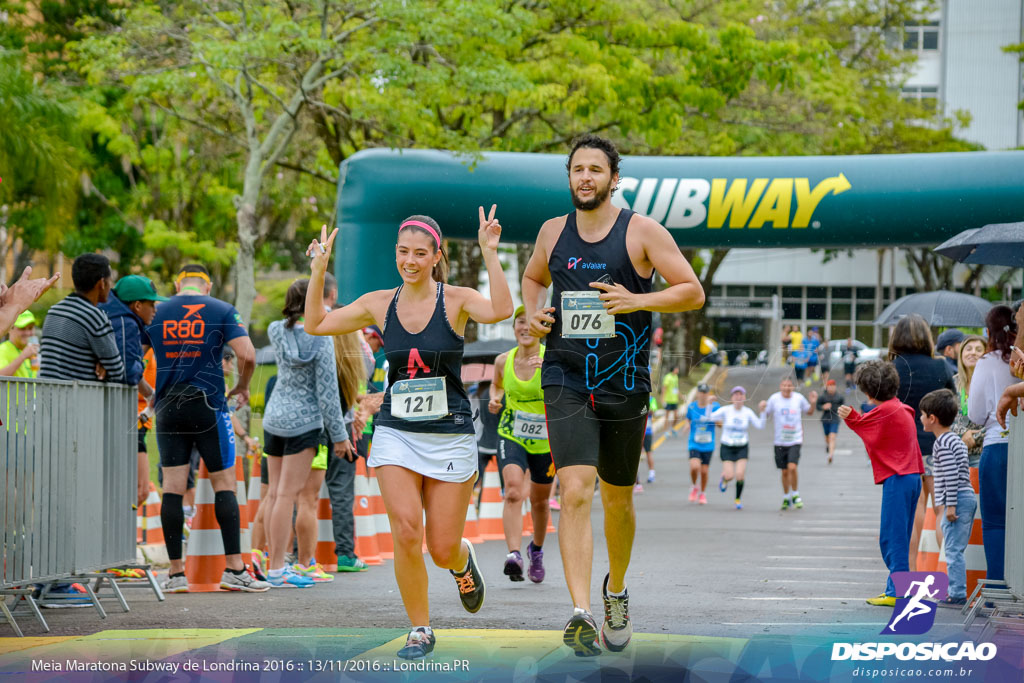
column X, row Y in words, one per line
column 490, row 229
column 320, row 251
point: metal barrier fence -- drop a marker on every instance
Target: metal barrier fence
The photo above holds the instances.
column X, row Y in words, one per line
column 1013, row 567
column 67, row 450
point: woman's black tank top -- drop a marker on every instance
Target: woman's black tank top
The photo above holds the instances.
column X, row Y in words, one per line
column 434, row 352
column 613, row 365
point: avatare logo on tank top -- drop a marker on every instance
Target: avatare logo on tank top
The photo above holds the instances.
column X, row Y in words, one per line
column 576, row 262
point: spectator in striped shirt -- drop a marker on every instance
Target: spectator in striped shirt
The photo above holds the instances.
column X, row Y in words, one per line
column 952, row 487
column 78, row 340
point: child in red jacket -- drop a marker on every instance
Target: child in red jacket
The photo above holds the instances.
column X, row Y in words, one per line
column 889, row 433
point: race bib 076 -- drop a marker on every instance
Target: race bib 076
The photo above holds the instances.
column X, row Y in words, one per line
column 419, row 399
column 584, row 317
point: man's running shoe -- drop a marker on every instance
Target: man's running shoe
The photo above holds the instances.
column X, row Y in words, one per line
column 617, row 629
column 581, row 633
column 703, row 500
column 289, row 579
column 242, row 582
column 313, row 571
column 514, row 566
column 722, row 486
column 882, row 600
column 694, row 492
column 785, row 503
column 351, row 563
column 739, row 505
column 650, row 477
column 536, row 557
column 419, row 644
column 470, row 583
column 638, row 488
column 797, row 503
column 175, row 584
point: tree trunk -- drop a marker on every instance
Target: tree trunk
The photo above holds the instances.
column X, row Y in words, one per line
column 466, row 260
column 245, row 216
column 876, row 335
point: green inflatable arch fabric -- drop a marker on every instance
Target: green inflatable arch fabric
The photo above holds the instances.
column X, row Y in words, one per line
column 837, row 201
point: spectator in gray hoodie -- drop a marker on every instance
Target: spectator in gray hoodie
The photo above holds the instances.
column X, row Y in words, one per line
column 304, row 403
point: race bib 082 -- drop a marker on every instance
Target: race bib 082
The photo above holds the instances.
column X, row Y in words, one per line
column 529, row 426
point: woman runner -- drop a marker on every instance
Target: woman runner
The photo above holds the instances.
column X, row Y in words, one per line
column 424, row 446
column 735, row 421
column 523, row 447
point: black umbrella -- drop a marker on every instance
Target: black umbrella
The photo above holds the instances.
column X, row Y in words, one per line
column 939, row 309
column 998, row 244
column 487, row 351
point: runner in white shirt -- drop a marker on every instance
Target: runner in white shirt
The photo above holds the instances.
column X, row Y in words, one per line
column 787, row 408
column 735, row 420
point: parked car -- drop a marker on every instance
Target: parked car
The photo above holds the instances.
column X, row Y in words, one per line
column 837, row 347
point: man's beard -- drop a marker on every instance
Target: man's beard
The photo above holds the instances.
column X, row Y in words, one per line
column 600, row 195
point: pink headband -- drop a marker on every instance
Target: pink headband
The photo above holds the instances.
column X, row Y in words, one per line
column 421, row 224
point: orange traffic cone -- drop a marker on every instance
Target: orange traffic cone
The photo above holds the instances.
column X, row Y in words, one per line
column 491, row 505
column 253, row 495
column 367, row 548
column 149, row 527
column 974, row 553
column 204, row 561
column 381, row 523
column 244, row 533
column 928, row 548
column 325, row 554
column 472, row 529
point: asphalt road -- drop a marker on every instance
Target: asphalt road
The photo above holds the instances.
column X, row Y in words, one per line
column 698, row 570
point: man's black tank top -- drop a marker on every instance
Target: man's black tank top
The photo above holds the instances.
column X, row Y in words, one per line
column 434, row 352
column 600, row 366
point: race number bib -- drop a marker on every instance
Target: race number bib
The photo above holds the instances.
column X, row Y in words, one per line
column 419, row 399
column 584, row 317
column 702, row 436
column 789, row 432
column 529, row 426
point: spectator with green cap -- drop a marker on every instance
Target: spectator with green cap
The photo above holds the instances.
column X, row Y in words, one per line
column 131, row 307
column 18, row 352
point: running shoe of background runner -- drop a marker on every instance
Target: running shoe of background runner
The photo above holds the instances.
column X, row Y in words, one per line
column 536, row 557
column 739, row 505
column 554, row 504
column 418, row 645
column 314, row 571
column 289, row 579
column 797, row 503
column 617, row 629
column 244, row 582
column 694, row 492
column 352, row 563
column 580, row 633
column 785, row 503
column 255, row 571
column 638, row 488
column 259, row 560
column 175, row 584
column 882, row 600
column 703, row 500
column 722, row 486
column 470, row 583
column 650, row 477
column 514, row 566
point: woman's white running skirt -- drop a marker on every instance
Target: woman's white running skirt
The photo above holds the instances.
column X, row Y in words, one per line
column 446, row 457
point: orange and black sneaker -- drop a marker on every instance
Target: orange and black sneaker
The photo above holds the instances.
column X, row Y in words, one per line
column 470, row 583
column 580, row 633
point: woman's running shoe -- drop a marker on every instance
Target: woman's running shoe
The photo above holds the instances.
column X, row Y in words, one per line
column 350, row 563
column 694, row 492
column 514, row 566
column 703, row 500
column 470, row 583
column 739, row 505
column 419, row 644
column 638, row 488
column 244, row 582
column 722, row 486
column 536, row 557
column 175, row 584
column 554, row 504
column 314, row 571
column 289, row 579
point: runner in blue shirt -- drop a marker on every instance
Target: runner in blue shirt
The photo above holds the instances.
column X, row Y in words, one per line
column 188, row 334
column 702, row 440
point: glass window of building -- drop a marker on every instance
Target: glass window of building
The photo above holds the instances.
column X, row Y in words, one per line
column 842, row 311
column 921, row 37
column 765, row 291
column 792, row 292
column 842, row 293
column 791, row 310
column 816, row 311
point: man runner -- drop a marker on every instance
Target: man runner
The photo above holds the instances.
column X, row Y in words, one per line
column 189, row 333
column 601, row 261
column 787, row 409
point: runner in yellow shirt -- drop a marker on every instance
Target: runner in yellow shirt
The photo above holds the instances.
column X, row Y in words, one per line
column 670, row 397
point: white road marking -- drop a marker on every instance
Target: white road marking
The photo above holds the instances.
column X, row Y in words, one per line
column 799, row 597
column 825, row 569
column 822, row 557
column 841, row 583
